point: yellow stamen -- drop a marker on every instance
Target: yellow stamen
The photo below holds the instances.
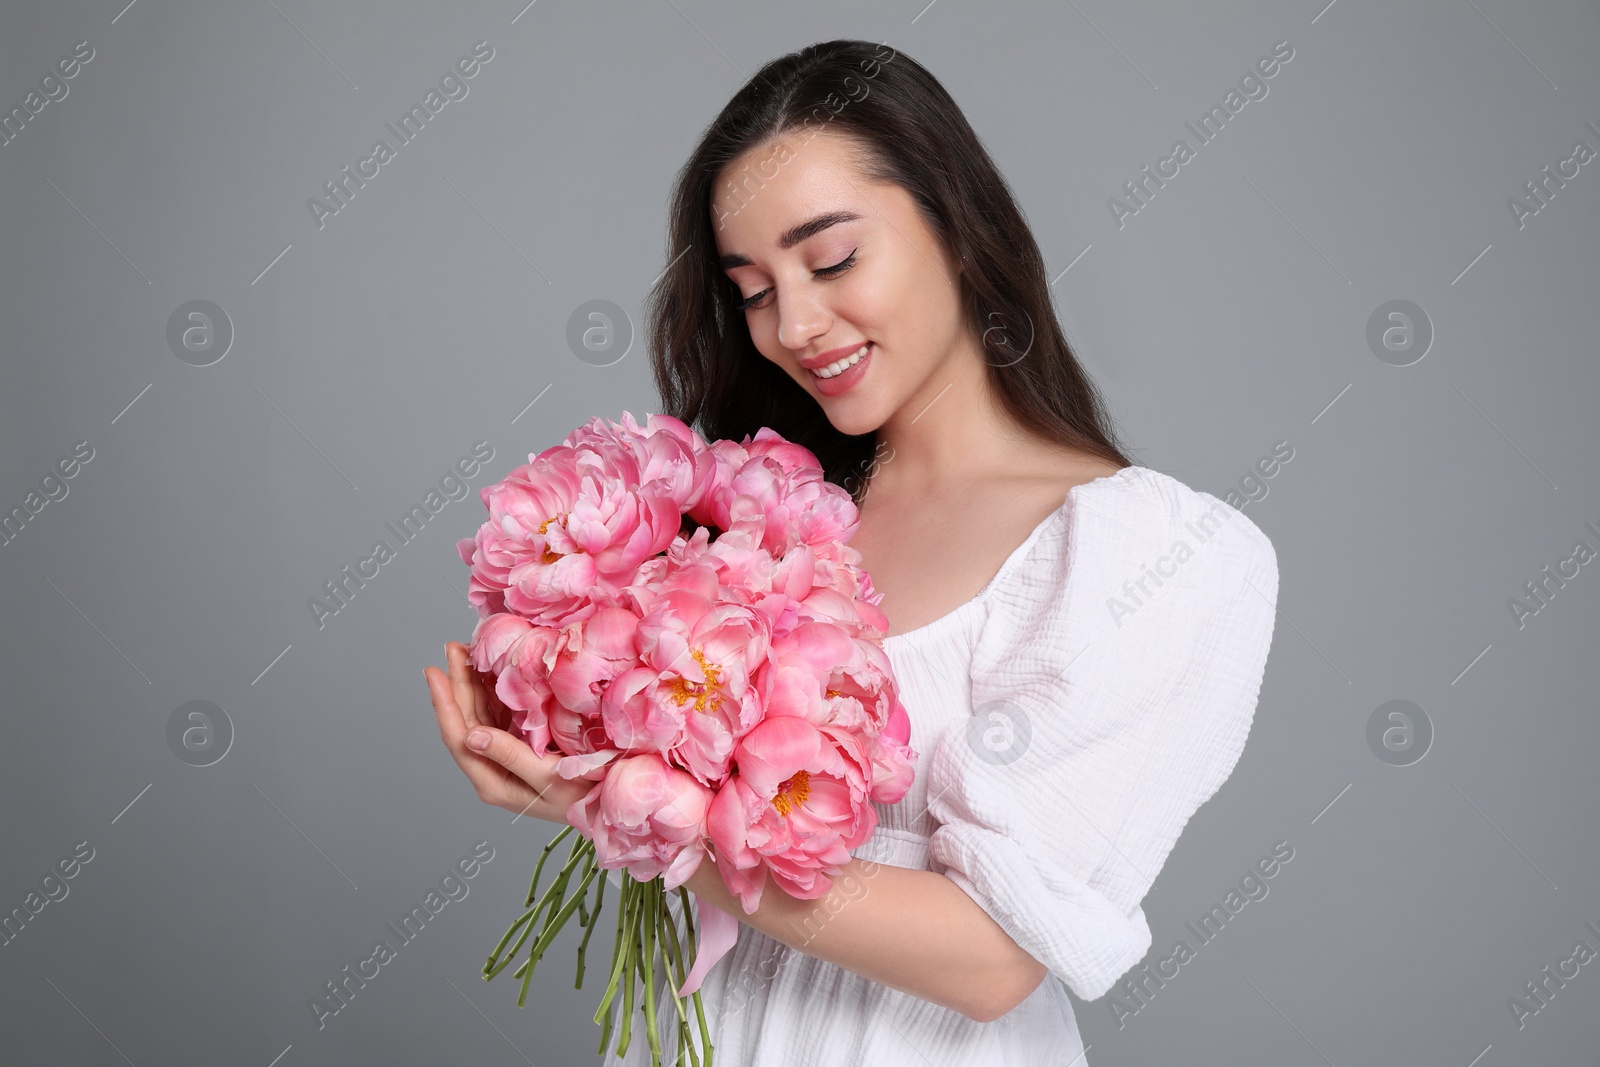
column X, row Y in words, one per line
column 792, row 793
column 549, row 556
column 706, row 695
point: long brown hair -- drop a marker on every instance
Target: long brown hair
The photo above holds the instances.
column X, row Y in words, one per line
column 909, row 132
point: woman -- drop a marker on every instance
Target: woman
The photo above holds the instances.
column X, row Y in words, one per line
column 1079, row 641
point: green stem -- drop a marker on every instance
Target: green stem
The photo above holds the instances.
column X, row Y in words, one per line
column 559, row 920
column 589, row 922
column 645, row 927
column 487, row 973
column 648, row 968
column 632, row 934
column 554, row 898
column 544, row 854
column 589, row 861
column 558, row 885
column 619, row 951
column 673, row 955
column 552, row 928
column 699, row 1006
column 583, row 849
column 491, row 968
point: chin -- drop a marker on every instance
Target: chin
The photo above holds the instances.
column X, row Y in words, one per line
column 855, row 413
column 853, row 419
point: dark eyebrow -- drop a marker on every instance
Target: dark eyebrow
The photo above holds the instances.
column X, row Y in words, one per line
column 795, row 234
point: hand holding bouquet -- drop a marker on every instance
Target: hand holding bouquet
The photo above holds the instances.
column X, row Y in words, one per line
column 684, row 625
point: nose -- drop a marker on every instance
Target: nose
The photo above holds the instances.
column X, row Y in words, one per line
column 801, row 318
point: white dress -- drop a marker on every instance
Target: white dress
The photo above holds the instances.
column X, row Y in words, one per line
column 1069, row 720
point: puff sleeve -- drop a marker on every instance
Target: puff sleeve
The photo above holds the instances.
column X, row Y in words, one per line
column 1114, row 681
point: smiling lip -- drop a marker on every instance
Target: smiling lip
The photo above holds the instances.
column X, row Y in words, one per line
column 847, row 379
column 831, row 356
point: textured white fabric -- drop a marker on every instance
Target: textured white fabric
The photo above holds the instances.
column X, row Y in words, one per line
column 1069, row 720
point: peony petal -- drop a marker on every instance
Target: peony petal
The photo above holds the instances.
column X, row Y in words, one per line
column 774, row 750
column 581, row 766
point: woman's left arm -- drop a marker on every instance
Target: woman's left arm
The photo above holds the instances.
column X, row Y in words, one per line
column 915, row 931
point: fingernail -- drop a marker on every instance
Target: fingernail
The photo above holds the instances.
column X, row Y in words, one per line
column 478, row 739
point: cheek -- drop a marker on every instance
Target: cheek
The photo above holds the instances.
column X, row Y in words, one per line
column 912, row 300
column 876, row 305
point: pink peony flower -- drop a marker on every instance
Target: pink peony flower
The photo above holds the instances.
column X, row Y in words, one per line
column 691, row 697
column 494, row 639
column 613, row 630
column 684, row 624
column 789, row 455
column 819, row 511
column 664, row 450
column 820, row 672
column 568, row 522
column 893, row 759
column 512, row 653
column 796, row 805
column 647, row 817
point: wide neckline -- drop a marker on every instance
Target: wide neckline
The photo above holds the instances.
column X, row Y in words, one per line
column 1010, row 560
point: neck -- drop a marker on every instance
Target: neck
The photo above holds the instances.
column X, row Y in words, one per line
column 951, row 430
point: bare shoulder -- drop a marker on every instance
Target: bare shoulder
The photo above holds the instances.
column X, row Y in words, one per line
column 1061, row 471
column 1001, row 509
column 1030, row 493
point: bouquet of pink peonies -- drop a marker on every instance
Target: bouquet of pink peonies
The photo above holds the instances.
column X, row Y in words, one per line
column 684, row 624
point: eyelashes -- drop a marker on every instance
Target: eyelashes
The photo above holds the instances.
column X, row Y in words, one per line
column 827, row 272
column 840, row 267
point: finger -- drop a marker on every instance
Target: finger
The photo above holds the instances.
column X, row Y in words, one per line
column 492, row 781
column 552, row 790
column 496, row 713
column 455, row 673
column 452, row 727
column 468, row 687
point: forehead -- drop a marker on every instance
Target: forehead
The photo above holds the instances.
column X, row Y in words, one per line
column 771, row 189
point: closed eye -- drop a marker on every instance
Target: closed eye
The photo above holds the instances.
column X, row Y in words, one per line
column 827, row 272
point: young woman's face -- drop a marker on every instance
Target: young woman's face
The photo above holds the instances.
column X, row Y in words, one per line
column 827, row 263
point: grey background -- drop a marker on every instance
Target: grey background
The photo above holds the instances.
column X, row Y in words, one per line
column 1229, row 314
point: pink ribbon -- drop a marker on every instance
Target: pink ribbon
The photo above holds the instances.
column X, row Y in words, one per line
column 718, row 932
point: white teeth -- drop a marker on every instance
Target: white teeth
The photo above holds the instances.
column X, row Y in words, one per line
column 840, row 366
